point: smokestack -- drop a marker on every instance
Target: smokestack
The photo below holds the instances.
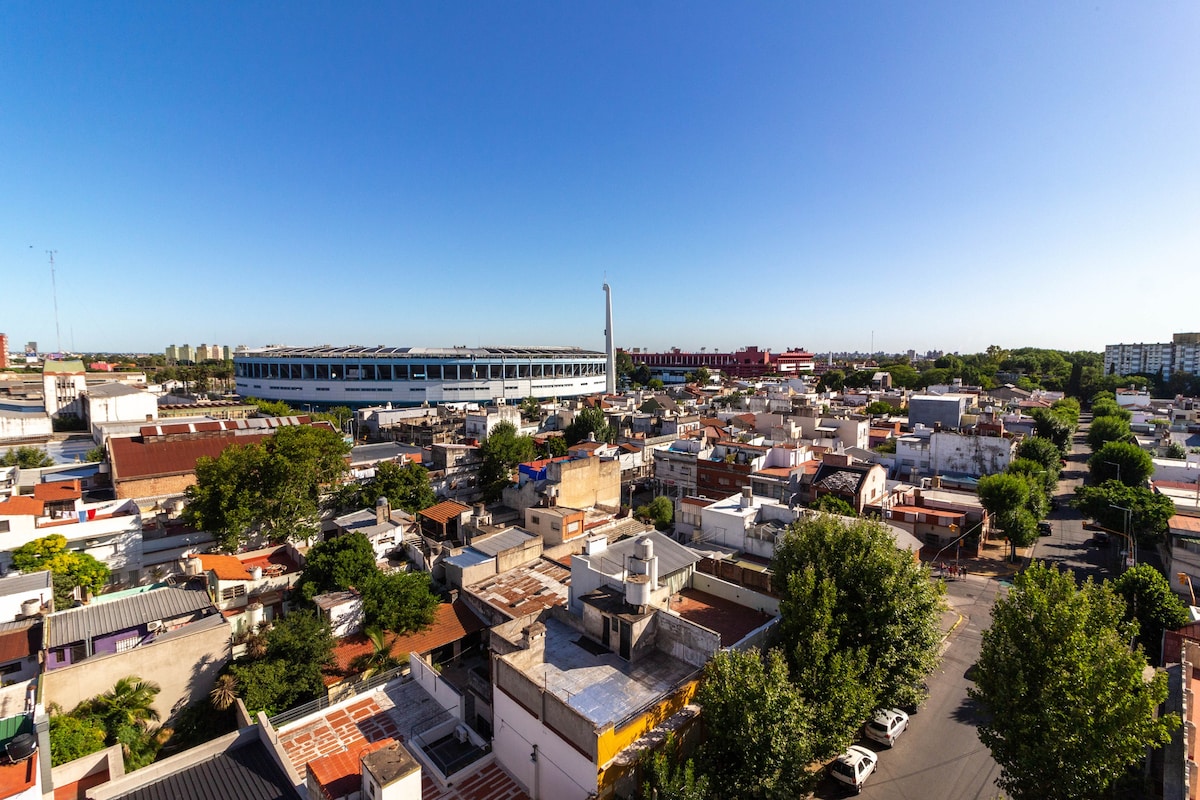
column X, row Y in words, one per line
column 610, row 383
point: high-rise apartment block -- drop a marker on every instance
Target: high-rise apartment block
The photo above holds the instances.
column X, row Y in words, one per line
column 1181, row 354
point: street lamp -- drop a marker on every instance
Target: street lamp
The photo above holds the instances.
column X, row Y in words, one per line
column 1128, row 535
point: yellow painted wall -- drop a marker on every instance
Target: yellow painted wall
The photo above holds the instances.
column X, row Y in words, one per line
column 613, row 740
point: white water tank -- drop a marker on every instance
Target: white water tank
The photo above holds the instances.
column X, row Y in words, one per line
column 254, row 615
column 194, row 566
column 637, row 590
column 30, row 607
column 644, row 548
column 256, row 573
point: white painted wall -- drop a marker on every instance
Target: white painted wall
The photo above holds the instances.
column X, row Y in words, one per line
column 560, row 772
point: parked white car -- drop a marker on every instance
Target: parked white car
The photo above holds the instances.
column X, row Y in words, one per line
column 854, row 766
column 886, row 726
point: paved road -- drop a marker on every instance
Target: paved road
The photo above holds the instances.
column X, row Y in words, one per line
column 940, row 757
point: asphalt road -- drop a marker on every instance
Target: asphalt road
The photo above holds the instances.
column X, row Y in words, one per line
column 940, row 756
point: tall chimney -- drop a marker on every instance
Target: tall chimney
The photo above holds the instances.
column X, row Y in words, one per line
column 610, row 383
column 383, row 511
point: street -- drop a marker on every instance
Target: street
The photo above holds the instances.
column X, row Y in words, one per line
column 940, row 756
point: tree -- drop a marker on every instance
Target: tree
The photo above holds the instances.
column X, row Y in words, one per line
column 1176, row 450
column 224, row 692
column 832, row 504
column 553, row 447
column 1107, row 429
column 1055, row 426
column 124, row 714
column 832, row 381
column 26, row 457
column 1149, row 512
column 1043, row 451
column 1068, row 710
column 669, row 776
column 881, row 407
column 531, row 409
column 337, row 564
column 398, row 601
column 1007, row 498
column 1150, row 602
column 299, row 647
column 588, row 421
column 859, row 621
column 1042, row 484
column 272, row 488
column 660, row 511
column 405, row 487
column 502, row 451
column 73, row 737
column 758, row 742
column 94, row 455
column 68, row 569
column 1126, row 462
column 380, row 658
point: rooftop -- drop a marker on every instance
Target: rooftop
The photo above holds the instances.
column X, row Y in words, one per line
column 525, row 590
column 725, row 617
column 451, row 622
column 604, row 688
column 247, row 772
column 99, row 618
column 444, row 511
column 354, row 351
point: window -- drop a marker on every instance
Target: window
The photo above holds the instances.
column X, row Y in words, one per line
column 3, row 526
column 9, row 669
column 237, row 590
column 127, row 644
column 534, row 519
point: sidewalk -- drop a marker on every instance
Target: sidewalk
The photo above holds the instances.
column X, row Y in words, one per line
column 992, row 562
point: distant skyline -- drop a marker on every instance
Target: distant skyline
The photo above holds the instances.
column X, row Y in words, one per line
column 944, row 175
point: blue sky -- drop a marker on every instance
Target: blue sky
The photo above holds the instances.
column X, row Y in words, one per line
column 938, row 175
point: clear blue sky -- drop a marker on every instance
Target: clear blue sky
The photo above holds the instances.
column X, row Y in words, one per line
column 943, row 174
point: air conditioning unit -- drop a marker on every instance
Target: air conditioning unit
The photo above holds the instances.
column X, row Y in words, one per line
column 156, row 625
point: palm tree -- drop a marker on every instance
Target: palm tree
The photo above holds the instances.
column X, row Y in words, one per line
column 224, row 692
column 129, row 702
column 380, row 659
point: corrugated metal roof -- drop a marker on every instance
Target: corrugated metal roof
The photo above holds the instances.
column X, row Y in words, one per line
column 27, row 582
column 444, row 511
column 672, row 556
column 505, row 540
column 247, row 773
column 98, row 619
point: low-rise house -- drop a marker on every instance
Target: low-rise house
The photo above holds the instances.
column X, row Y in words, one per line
column 386, row 529
column 858, row 484
column 147, row 632
column 249, row 588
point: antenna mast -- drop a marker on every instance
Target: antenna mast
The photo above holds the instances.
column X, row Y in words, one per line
column 54, row 287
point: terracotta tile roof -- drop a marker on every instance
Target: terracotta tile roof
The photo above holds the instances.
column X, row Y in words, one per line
column 451, row 622
column 1187, row 486
column 138, row 458
column 341, row 730
column 525, row 590
column 703, row 502
column 444, row 511
column 340, row 773
column 226, row 568
column 729, row 619
column 775, row 472
column 489, row 783
column 22, row 506
column 1184, row 524
column 57, row 491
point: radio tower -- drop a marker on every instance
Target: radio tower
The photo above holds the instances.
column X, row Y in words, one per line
column 54, row 288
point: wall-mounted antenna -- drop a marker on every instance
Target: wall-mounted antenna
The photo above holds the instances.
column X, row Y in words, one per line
column 54, row 287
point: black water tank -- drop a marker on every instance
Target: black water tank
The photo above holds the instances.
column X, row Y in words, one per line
column 21, row 747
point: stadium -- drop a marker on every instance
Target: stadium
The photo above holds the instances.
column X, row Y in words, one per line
column 321, row 377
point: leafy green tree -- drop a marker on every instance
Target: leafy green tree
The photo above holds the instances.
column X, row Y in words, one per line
column 588, row 421
column 1007, row 497
column 1055, row 426
column 380, row 658
column 1149, row 511
column 624, row 364
column 703, row 376
column 859, row 621
column 832, row 504
column 337, row 416
column 1068, row 709
column 1150, row 601
column 669, row 776
column 832, row 381
column 337, row 564
column 502, row 451
column 1108, row 429
column 758, row 742
column 554, row 447
column 26, row 457
column 1042, row 483
column 405, row 487
column 68, row 569
column 398, row 601
column 531, row 409
column 1176, row 450
column 299, row 647
column 94, row 455
column 903, row 375
column 1126, row 462
column 1043, row 451
column 272, row 488
column 1105, row 407
column 660, row 511
column 73, row 737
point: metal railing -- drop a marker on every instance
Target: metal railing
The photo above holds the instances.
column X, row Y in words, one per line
column 347, row 690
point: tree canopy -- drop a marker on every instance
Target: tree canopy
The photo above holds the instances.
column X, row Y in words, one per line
column 502, row 451
column 1010, row 499
column 26, row 457
column 1107, row 429
column 1149, row 512
column 758, row 741
column 832, row 504
column 336, row 564
column 122, row 715
column 588, row 421
column 290, row 672
column 1150, row 601
column 859, row 621
column 1126, row 462
column 68, row 569
column 405, row 487
column 1068, row 710
column 401, row 602
column 660, row 511
column 271, row 488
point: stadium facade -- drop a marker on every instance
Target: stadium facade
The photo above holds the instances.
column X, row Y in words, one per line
column 322, row 377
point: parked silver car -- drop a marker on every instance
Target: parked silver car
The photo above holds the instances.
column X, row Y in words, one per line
column 854, row 766
column 886, row 726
